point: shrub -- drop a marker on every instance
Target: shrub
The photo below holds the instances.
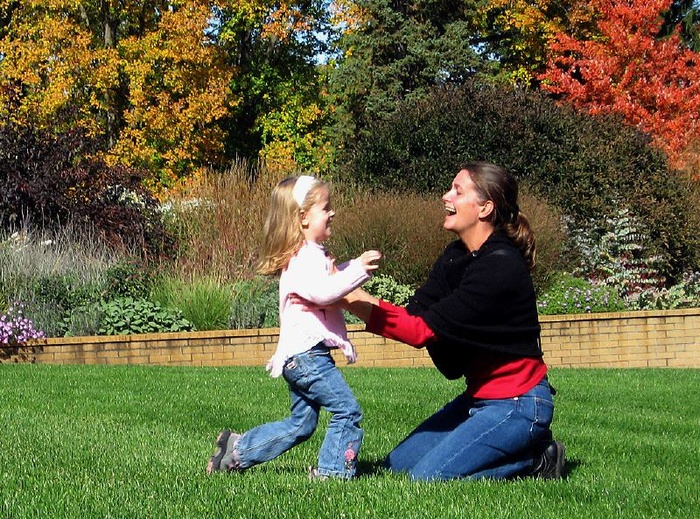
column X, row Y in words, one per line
column 125, row 316
column 571, row 295
column 53, row 273
column 406, row 228
column 205, row 303
column 129, row 277
column 684, row 294
column 255, row 303
column 554, row 253
column 83, row 320
column 386, row 288
column 582, row 164
column 615, row 253
column 53, row 179
column 219, row 221
column 16, row 329
column 17, row 333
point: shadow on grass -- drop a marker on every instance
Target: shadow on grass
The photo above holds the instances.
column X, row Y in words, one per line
column 571, row 466
column 370, row 467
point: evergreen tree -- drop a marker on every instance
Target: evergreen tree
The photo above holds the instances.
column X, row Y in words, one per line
column 391, row 51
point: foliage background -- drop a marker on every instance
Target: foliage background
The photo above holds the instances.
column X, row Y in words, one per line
column 158, row 130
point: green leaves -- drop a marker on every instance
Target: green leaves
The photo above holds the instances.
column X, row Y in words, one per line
column 570, row 295
column 387, row 288
column 125, row 316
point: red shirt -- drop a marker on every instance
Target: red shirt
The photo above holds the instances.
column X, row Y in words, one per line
column 489, row 375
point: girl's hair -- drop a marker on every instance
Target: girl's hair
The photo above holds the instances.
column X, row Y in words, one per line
column 498, row 185
column 282, row 231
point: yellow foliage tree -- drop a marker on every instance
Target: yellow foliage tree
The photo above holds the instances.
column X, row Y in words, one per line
column 178, row 89
column 520, row 31
column 144, row 75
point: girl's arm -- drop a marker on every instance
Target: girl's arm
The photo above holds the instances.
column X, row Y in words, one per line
column 323, row 286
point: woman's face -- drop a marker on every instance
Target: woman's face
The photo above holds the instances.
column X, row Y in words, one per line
column 464, row 207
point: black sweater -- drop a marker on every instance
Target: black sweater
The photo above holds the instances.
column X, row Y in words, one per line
column 483, row 299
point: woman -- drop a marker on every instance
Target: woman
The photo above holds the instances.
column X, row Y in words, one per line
column 477, row 316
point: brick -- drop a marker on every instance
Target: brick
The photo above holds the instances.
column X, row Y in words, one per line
column 624, row 339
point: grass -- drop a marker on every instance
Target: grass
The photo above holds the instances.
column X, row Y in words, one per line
column 132, row 441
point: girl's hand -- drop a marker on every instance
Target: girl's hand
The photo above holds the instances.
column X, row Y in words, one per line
column 369, row 259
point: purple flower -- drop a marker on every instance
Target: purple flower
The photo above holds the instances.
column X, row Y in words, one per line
column 17, row 330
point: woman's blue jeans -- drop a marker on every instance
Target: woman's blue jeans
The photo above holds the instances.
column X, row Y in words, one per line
column 314, row 383
column 478, row 438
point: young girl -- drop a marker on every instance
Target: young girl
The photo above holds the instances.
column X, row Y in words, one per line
column 297, row 224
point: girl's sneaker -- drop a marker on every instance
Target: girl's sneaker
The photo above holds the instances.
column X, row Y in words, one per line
column 222, row 442
column 315, row 476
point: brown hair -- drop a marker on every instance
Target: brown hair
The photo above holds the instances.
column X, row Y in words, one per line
column 282, row 231
column 498, row 185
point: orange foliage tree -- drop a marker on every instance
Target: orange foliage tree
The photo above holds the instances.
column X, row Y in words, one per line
column 627, row 69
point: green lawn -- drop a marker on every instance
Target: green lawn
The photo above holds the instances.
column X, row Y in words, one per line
column 131, row 442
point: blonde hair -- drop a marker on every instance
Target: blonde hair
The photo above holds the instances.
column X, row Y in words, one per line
column 282, row 231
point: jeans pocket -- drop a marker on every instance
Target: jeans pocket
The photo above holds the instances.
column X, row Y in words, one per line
column 295, row 372
column 544, row 412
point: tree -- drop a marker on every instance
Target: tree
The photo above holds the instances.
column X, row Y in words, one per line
column 518, row 32
column 654, row 83
column 274, row 47
column 391, row 51
column 145, row 77
column 178, row 90
column 171, row 85
column 684, row 16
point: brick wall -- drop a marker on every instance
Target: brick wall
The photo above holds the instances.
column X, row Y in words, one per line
column 628, row 339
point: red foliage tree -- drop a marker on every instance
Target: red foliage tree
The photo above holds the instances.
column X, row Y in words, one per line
column 653, row 82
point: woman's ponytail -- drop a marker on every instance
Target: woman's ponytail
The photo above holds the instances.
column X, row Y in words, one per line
column 498, row 185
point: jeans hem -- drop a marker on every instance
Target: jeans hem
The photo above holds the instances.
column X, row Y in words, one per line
column 333, row 474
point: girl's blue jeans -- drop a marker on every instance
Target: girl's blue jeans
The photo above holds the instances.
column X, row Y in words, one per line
column 314, row 383
column 478, row 438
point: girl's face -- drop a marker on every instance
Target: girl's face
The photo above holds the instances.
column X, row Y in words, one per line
column 316, row 222
column 464, row 207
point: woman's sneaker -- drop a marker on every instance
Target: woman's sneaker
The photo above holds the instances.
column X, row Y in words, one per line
column 550, row 463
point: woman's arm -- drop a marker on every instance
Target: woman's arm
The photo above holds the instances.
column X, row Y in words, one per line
column 360, row 303
column 388, row 320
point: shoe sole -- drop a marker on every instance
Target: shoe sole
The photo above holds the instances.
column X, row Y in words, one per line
column 561, row 461
column 214, row 464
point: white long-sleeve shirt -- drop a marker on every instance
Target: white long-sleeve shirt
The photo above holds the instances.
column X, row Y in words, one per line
column 309, row 276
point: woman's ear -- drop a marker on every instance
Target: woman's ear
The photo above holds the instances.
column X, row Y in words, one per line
column 303, row 217
column 486, row 209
